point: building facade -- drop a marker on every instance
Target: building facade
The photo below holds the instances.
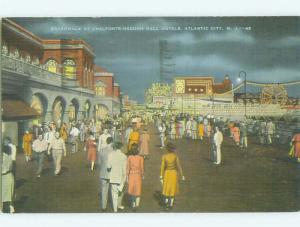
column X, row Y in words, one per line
column 54, row 78
column 201, row 95
column 107, row 93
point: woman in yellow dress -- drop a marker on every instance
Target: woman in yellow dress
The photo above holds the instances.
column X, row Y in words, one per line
column 134, row 137
column 27, row 142
column 64, row 132
column 169, row 175
column 201, row 130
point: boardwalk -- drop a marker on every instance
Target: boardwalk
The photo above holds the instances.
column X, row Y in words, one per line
column 259, row 179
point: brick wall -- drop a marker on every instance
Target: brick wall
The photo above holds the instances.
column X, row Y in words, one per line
column 108, row 81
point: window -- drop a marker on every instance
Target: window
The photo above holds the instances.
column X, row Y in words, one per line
column 100, row 90
column 51, row 66
column 69, row 69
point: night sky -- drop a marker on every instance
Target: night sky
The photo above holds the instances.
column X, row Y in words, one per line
column 266, row 48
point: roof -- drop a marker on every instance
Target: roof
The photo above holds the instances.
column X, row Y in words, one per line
column 47, row 43
column 195, row 77
column 13, row 110
column 20, row 31
column 67, row 44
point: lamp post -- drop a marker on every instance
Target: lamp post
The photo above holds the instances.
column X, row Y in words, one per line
column 243, row 73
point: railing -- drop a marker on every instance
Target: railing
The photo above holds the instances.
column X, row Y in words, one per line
column 34, row 72
column 37, row 73
column 230, row 109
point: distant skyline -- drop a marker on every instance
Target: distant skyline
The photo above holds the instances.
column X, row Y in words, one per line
column 267, row 48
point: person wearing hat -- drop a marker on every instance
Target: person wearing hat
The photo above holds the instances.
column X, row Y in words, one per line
column 162, row 134
column 104, row 173
column 194, row 128
column 270, row 130
column 91, row 149
column 144, row 143
column 116, row 166
column 218, row 139
column 39, row 146
column 8, row 181
column 135, row 174
column 102, row 140
column 170, row 166
column 74, row 133
column 27, row 149
column 58, row 147
column 134, row 137
column 201, row 130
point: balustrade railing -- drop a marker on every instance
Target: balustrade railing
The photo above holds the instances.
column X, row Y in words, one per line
column 34, row 72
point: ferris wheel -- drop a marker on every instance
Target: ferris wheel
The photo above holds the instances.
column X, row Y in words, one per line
column 274, row 94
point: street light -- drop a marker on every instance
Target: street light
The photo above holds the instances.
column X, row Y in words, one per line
column 243, row 73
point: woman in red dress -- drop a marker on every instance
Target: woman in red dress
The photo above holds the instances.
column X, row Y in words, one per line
column 135, row 173
column 91, row 148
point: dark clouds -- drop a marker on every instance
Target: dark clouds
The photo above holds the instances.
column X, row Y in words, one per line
column 269, row 52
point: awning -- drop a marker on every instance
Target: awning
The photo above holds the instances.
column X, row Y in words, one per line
column 14, row 110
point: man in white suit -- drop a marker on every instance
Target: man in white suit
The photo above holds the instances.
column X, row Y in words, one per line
column 104, row 173
column 218, row 139
column 116, row 164
column 102, row 140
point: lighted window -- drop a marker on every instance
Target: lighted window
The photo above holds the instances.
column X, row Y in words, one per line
column 69, row 68
column 51, row 66
column 100, row 90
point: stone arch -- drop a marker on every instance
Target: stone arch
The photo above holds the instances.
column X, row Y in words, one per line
column 58, row 110
column 73, row 109
column 39, row 102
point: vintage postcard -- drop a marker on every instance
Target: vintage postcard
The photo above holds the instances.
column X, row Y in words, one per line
column 148, row 115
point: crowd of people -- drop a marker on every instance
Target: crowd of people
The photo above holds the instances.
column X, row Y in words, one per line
column 119, row 153
column 119, row 147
